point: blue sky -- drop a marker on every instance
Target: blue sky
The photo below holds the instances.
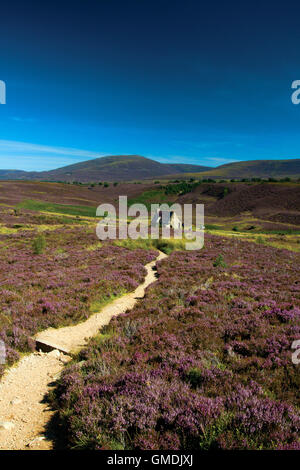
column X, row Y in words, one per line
column 175, row 81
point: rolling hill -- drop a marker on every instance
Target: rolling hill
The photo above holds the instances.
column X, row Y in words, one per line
column 14, row 174
column 254, row 168
column 135, row 167
column 114, row 168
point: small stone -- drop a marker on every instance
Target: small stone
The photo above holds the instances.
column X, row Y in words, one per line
column 16, row 401
column 64, row 358
column 6, row 425
column 56, row 377
column 54, row 353
column 230, row 352
column 35, row 441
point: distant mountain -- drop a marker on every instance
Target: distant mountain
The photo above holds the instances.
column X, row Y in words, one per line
column 255, row 168
column 135, row 167
column 14, row 174
column 116, row 168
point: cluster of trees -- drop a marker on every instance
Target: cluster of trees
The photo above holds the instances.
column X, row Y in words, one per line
column 181, row 188
column 92, row 185
column 265, row 180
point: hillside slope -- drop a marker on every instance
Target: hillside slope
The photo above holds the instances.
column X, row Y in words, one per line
column 114, row 168
column 254, row 168
column 16, row 175
column 260, row 199
column 135, row 167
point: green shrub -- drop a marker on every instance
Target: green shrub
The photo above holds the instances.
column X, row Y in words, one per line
column 220, row 262
column 224, row 193
column 39, row 244
column 195, row 377
column 181, row 188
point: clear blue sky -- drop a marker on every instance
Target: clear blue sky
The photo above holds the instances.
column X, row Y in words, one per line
column 177, row 81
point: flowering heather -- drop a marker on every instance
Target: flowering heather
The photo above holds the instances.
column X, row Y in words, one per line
column 59, row 286
column 202, row 362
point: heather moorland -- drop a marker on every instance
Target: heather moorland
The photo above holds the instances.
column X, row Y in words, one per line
column 57, row 278
column 204, row 361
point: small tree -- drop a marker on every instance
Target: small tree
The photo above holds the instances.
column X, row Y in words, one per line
column 39, row 244
column 220, row 262
column 224, row 193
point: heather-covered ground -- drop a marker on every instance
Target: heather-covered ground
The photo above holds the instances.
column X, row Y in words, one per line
column 203, row 362
column 72, row 276
column 266, row 206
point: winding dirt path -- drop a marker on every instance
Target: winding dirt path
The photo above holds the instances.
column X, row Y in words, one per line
column 23, row 413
